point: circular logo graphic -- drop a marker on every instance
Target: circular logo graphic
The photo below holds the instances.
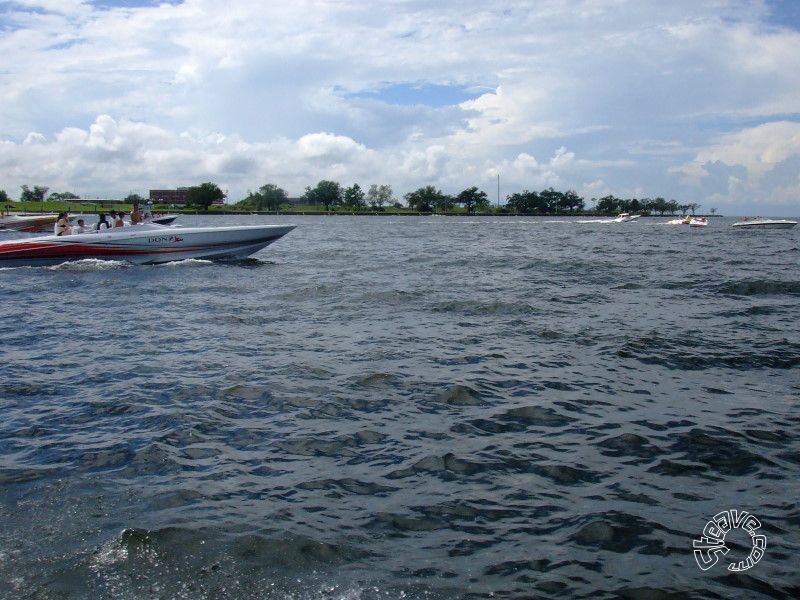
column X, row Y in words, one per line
column 708, row 548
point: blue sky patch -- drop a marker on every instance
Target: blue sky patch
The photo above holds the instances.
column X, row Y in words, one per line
column 425, row 94
column 785, row 13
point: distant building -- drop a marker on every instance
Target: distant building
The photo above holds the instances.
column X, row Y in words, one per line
column 176, row 197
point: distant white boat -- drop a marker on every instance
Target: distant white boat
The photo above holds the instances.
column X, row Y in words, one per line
column 625, row 218
column 758, row 223
column 620, row 218
column 698, row 222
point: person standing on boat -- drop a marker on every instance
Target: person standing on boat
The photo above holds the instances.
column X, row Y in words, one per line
column 62, row 226
column 136, row 216
column 119, row 221
column 80, row 227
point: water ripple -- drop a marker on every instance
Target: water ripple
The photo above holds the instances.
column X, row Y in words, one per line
column 422, row 408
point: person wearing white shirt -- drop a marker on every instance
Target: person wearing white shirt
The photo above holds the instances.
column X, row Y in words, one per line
column 62, row 226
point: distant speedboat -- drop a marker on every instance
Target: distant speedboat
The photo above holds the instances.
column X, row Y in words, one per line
column 144, row 244
column 28, row 223
column 758, row 223
column 681, row 221
column 684, row 220
column 625, row 218
column 698, row 222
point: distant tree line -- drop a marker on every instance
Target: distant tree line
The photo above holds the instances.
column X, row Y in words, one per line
column 331, row 195
column 428, row 199
column 550, row 202
column 200, row 196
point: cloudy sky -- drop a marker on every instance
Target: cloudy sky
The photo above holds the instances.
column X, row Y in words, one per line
column 693, row 100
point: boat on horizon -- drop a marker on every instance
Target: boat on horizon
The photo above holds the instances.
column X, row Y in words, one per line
column 143, row 244
column 759, row 223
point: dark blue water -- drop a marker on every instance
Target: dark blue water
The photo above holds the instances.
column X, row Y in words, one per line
column 419, row 408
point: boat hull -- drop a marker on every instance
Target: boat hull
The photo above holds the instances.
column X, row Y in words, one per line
column 28, row 223
column 143, row 244
column 765, row 224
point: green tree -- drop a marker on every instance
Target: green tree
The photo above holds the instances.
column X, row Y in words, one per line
column 37, row 194
column 658, row 205
column 424, row 199
column 4, row 199
column 608, row 204
column 523, row 202
column 633, row 206
column 471, row 198
column 268, row 197
column 204, row 195
column 571, row 201
column 64, row 196
column 327, row 193
column 549, row 201
column 672, row 206
column 378, row 195
column 444, row 203
column 354, row 196
column 271, row 197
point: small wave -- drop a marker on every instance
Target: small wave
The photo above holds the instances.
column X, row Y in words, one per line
column 689, row 353
column 566, row 474
column 341, row 446
column 621, row 533
column 536, row 416
column 460, row 395
column 720, row 453
column 627, row 444
column 377, row 380
column 472, row 308
column 250, row 262
column 759, row 287
column 350, row 486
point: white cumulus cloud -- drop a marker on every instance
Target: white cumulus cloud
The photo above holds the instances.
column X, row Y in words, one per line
column 647, row 97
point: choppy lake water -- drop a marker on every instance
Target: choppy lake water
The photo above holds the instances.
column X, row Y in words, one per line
column 421, row 408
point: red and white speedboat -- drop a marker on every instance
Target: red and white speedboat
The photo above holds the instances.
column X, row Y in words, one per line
column 145, row 244
column 28, row 223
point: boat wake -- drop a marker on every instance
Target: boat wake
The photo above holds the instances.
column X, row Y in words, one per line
column 603, row 221
column 189, row 262
column 90, row 264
